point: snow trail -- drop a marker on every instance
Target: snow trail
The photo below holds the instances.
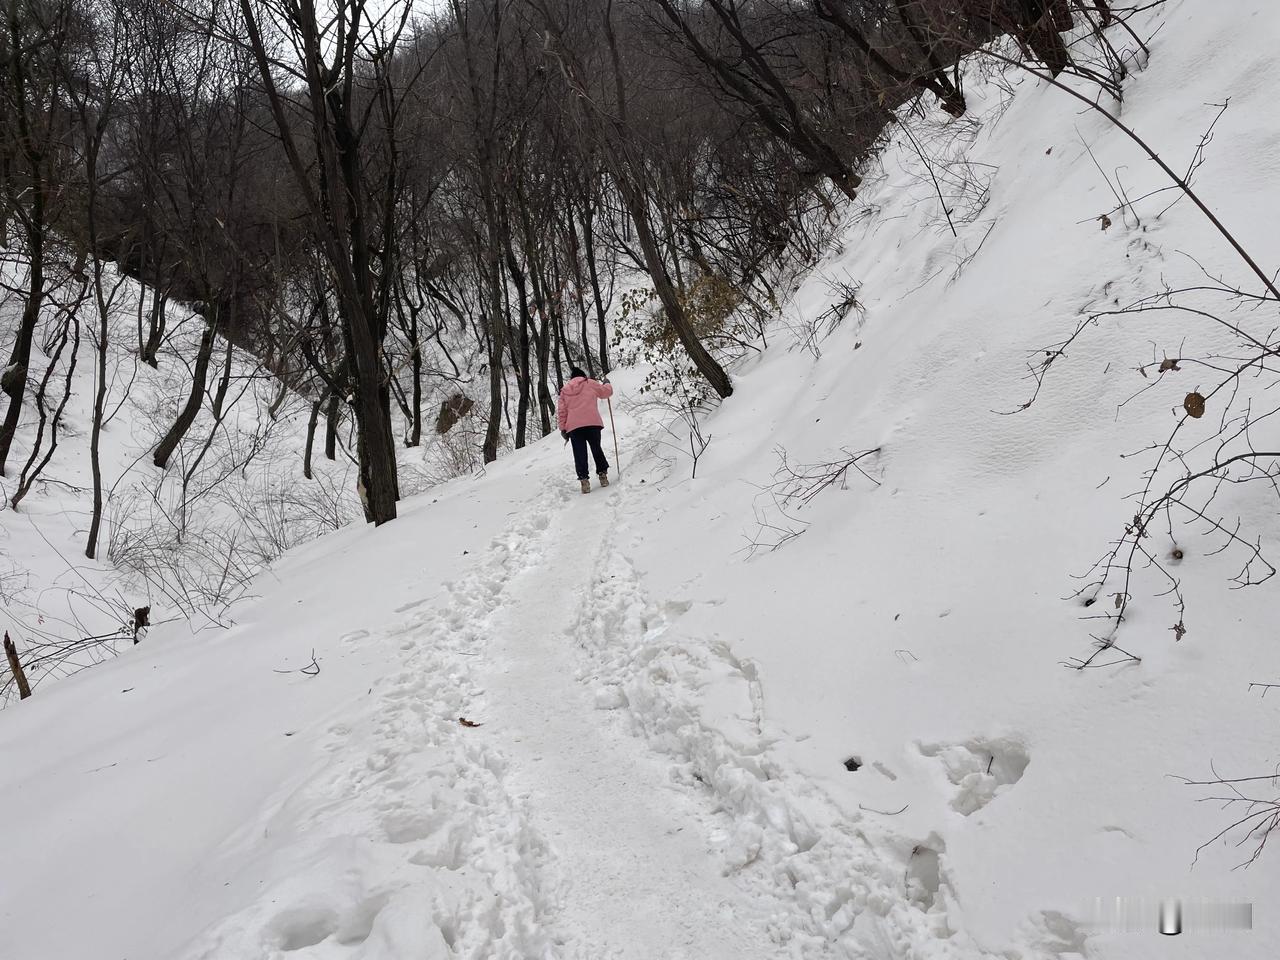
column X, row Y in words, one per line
column 637, row 879
column 642, row 758
column 612, row 795
column 686, row 824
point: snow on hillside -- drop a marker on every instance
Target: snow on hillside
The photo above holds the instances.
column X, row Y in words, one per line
column 716, row 717
column 185, row 541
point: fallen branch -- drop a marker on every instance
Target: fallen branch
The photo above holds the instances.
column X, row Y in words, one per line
column 19, row 675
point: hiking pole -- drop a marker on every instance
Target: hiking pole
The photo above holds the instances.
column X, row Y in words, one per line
column 614, row 430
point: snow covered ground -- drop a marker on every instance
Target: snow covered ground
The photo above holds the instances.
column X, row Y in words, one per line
column 522, row 723
column 184, row 541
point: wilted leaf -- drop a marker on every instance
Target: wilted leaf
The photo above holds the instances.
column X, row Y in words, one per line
column 1119, row 600
column 1105, row 221
column 1169, row 363
column 1194, row 405
column 1179, row 631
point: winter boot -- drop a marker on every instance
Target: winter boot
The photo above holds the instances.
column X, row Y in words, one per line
column 586, row 485
column 604, row 479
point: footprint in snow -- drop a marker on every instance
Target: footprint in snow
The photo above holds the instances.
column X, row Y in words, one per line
column 981, row 769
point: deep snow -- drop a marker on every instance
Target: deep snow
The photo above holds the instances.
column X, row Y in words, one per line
column 184, row 541
column 659, row 769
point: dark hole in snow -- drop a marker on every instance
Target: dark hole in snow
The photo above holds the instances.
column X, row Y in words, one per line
column 852, row 764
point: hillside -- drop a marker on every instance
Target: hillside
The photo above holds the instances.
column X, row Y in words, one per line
column 183, row 541
column 811, row 693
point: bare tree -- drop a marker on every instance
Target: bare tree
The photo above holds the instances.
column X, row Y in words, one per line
column 33, row 147
column 94, row 89
column 607, row 122
column 747, row 75
column 482, row 94
column 67, row 332
column 340, row 55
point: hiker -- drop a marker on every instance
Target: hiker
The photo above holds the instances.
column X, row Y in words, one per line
column 580, row 423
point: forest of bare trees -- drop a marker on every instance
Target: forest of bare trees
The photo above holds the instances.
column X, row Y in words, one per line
column 385, row 203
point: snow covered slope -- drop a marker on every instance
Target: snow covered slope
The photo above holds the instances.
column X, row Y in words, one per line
column 660, row 720
column 184, row 541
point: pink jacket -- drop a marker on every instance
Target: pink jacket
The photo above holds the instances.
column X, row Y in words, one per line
column 578, row 403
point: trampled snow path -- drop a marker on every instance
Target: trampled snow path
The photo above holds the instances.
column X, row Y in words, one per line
column 699, row 845
column 628, row 844
column 619, row 800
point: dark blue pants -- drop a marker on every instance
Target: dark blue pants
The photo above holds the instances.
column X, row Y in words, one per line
column 581, row 439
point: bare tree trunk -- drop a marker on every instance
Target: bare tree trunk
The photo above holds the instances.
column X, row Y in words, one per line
column 589, row 245
column 156, row 323
column 522, row 357
column 31, row 472
column 571, row 233
column 13, row 379
column 311, row 435
column 494, row 427
column 95, row 434
column 415, row 430
column 415, row 371
column 224, row 383
column 331, row 428
column 187, row 416
column 546, row 404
